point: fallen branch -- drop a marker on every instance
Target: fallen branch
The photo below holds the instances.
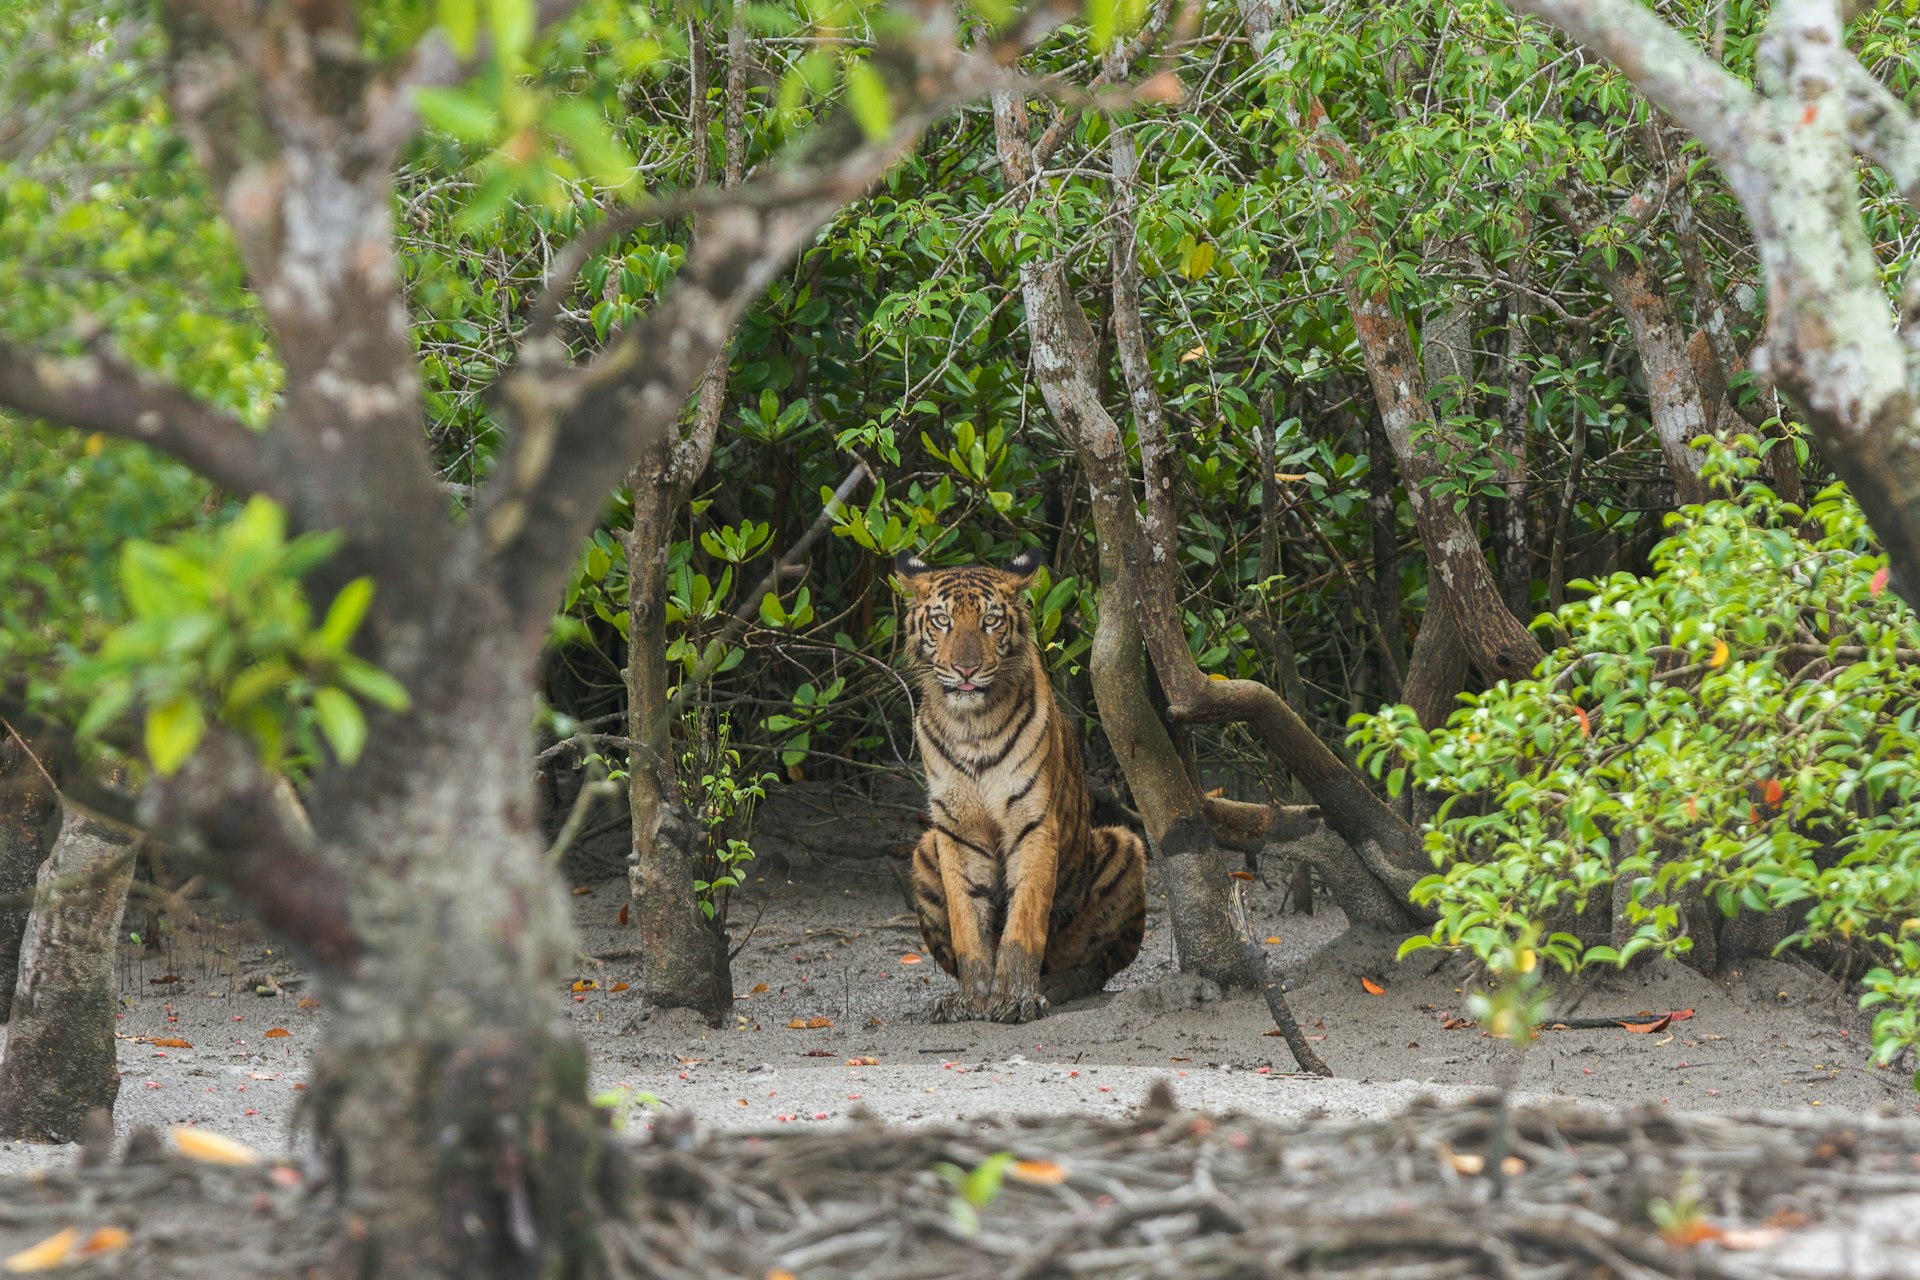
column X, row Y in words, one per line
column 1269, row 982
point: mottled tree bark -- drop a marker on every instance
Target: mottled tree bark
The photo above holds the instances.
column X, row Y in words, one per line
column 60, row 1062
column 27, row 804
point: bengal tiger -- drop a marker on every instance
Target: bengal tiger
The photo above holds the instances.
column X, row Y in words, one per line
column 1018, row 895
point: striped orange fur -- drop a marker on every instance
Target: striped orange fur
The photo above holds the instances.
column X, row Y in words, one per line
column 1018, row 895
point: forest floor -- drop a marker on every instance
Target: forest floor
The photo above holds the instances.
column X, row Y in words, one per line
column 825, row 937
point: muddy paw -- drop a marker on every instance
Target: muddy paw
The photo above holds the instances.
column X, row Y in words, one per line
column 1017, row 1008
column 958, row 1007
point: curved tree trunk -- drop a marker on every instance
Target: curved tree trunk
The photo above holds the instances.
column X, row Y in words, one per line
column 27, row 804
column 60, row 1061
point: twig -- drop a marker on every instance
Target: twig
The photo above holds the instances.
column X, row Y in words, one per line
column 1303, row 1053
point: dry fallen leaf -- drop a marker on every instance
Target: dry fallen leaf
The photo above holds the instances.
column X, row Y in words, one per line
column 586, row 984
column 1473, row 1164
column 45, row 1256
column 759, row 988
column 172, row 1042
column 814, row 1024
column 1273, row 940
column 618, row 986
column 1038, row 1173
column 1720, row 654
column 863, row 1062
column 1197, row 353
column 102, row 1240
column 1690, row 1232
column 580, row 890
column 623, row 914
column 1647, row 1028
column 910, row 958
column 211, row 1148
column 275, row 1033
column 1241, row 875
column 777, row 1274
column 309, row 1002
column 1372, row 988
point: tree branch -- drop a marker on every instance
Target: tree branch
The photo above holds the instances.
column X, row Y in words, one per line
column 100, row 392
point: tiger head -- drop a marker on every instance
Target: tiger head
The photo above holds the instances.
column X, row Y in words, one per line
column 968, row 627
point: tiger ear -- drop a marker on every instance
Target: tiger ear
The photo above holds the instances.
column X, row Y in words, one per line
column 1024, row 566
column 912, row 569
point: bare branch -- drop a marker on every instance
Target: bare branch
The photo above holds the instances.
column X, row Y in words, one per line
column 99, row 392
column 1882, row 129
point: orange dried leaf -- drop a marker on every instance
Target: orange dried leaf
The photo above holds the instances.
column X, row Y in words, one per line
column 45, row 1256
column 1741, row 1239
column 1241, row 875
column 618, row 986
column 863, row 1062
column 102, row 1240
column 586, row 984
column 173, row 1042
column 815, row 1024
column 1771, row 791
column 1218, row 793
column 623, row 914
column 777, row 1274
column 759, row 988
column 275, row 1033
column 1647, row 1028
column 1720, row 654
column 211, row 1148
column 1273, row 940
column 1586, row 722
column 1038, row 1173
column 309, row 1002
column 1691, row 1232
column 797, row 1024
column 1372, row 988
column 580, row 890
column 911, row 958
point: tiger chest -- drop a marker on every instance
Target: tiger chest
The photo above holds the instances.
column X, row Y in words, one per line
column 992, row 794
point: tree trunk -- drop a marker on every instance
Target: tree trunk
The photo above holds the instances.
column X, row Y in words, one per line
column 27, row 803
column 448, row 1087
column 681, row 963
column 60, row 1062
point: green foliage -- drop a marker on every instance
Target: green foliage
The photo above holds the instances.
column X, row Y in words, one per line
column 221, row 630
column 722, row 804
column 1741, row 724
column 974, row 1189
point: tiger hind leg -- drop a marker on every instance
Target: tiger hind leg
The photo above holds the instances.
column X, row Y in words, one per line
column 1104, row 935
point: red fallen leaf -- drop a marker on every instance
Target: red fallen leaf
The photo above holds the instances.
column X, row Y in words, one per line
column 1679, row 1015
column 1372, row 988
column 911, row 958
column 171, row 1043
column 1648, row 1028
column 1241, row 875
column 1771, row 791
column 1806, row 116
column 1879, row 582
column 623, row 914
column 275, row 1033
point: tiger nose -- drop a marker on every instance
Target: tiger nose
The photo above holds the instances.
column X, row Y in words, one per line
column 966, row 673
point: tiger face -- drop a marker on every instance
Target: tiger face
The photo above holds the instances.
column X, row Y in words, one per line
column 968, row 628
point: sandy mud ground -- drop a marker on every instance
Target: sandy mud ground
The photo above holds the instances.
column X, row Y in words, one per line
column 824, row 933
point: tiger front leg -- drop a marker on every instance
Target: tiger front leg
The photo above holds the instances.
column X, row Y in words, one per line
column 966, row 883
column 1032, row 867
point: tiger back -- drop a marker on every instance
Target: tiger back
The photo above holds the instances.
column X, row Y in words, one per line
column 1017, row 894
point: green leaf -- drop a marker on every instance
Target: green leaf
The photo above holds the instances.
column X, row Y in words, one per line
column 458, row 112
column 604, row 157
column 373, row 684
column 512, row 22
column 868, row 99
column 460, row 19
column 340, row 720
column 174, row 729
column 345, row 613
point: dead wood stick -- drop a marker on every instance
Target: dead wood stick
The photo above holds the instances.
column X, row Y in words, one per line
column 1269, row 981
